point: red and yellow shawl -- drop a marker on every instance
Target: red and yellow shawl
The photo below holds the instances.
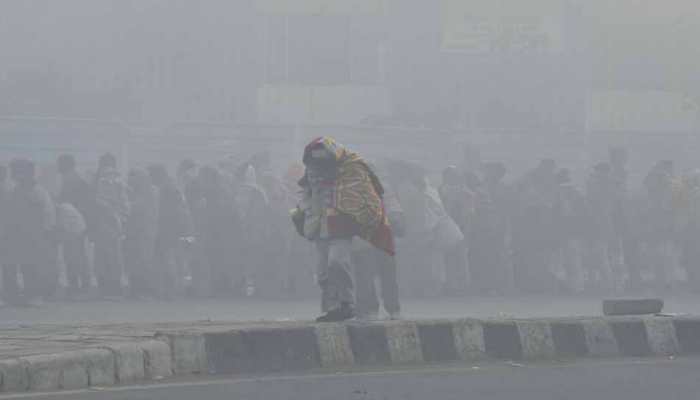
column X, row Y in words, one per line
column 358, row 194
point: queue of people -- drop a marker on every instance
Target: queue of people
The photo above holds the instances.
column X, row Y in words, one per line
column 396, row 230
column 203, row 231
column 539, row 233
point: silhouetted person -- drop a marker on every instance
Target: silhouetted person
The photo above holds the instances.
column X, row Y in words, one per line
column 219, row 225
column 30, row 249
column 661, row 221
column 602, row 265
column 533, row 229
column 488, row 257
column 76, row 206
column 253, row 208
column 108, row 233
column 187, row 181
column 459, row 204
column 141, row 229
column 570, row 221
column 174, row 229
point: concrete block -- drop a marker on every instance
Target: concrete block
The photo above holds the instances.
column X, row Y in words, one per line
column 632, row 307
column 569, row 339
column 600, row 339
column 662, row 336
column 404, row 343
column 57, row 371
column 15, row 377
column 263, row 350
column 437, row 341
column 76, row 377
column 631, row 337
column 502, row 340
column 469, row 340
column 188, row 353
column 228, row 352
column 44, row 372
column 688, row 335
column 536, row 339
column 101, row 367
column 334, row 345
column 369, row 344
column 130, row 362
column 157, row 359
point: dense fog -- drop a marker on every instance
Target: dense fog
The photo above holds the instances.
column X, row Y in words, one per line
column 153, row 149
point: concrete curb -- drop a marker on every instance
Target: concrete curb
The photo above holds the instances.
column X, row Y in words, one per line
column 303, row 347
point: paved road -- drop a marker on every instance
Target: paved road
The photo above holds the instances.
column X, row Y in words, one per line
column 245, row 310
column 618, row 380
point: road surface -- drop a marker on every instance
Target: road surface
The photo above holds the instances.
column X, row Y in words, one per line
column 253, row 310
column 653, row 379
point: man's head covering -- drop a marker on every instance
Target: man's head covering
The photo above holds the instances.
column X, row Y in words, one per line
column 358, row 191
column 323, row 151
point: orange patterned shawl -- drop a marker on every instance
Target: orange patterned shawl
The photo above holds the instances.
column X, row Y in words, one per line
column 359, row 194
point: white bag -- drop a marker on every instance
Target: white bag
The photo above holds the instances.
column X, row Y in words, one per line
column 70, row 220
column 446, row 234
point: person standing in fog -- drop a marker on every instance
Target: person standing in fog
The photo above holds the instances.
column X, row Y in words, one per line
column 111, row 213
column 533, row 234
column 430, row 234
column 187, row 182
column 659, row 185
column 570, row 214
column 628, row 225
column 30, row 251
column 140, row 241
column 600, row 196
column 218, row 227
column 174, row 229
column 342, row 200
column 75, row 205
column 459, row 204
column 488, row 252
column 298, row 253
column 253, row 209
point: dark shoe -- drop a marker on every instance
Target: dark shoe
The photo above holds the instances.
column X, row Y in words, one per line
column 342, row 313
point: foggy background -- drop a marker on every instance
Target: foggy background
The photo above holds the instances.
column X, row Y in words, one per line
column 520, row 80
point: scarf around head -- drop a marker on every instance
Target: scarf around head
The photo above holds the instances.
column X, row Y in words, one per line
column 358, row 193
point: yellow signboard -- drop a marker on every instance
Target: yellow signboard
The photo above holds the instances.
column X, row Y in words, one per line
column 503, row 26
column 321, row 7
